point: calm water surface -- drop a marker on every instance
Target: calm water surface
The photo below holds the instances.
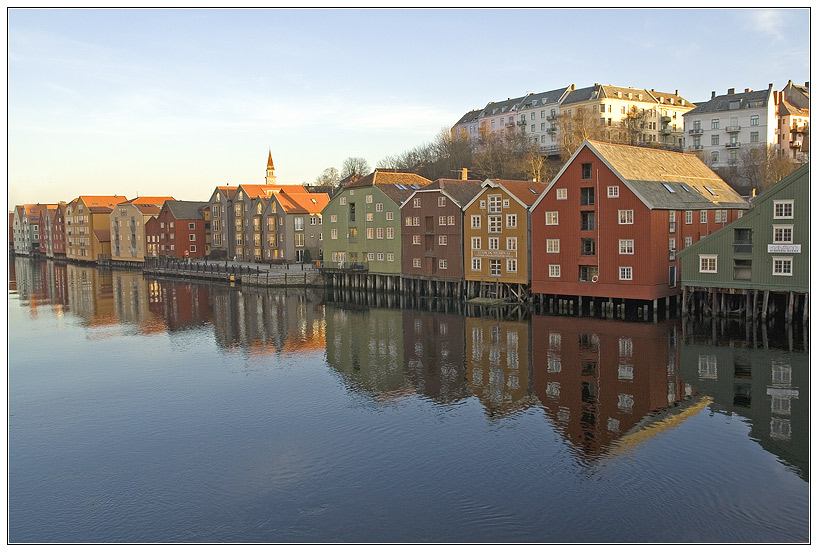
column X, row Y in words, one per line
column 160, row 411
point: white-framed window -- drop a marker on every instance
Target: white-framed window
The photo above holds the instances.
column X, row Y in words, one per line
column 370, row 256
column 416, row 239
column 476, row 221
column 554, row 271
column 379, row 207
column 494, row 267
column 408, row 222
column 505, row 202
column 390, row 257
column 476, row 263
column 626, row 216
column 703, row 216
column 380, row 256
column 442, row 240
column 450, row 220
column 755, row 120
column 370, row 215
column 476, row 242
column 390, row 233
column 625, row 273
column 416, row 262
column 191, row 226
column 688, row 241
column 551, row 217
column 334, row 234
column 379, row 233
column 494, row 203
column 416, row 202
column 368, row 198
column 627, row 246
column 689, row 217
column 191, row 238
column 442, row 220
column 708, row 263
column 494, row 242
column 562, row 193
column 783, row 234
column 390, row 216
column 495, row 224
column 442, row 263
column 511, row 265
column 511, row 220
column 482, row 204
column 512, row 243
column 370, row 233
column 333, row 219
column 613, row 191
column 342, row 200
column 553, row 245
column 783, row 209
column 783, row 266
column 441, row 201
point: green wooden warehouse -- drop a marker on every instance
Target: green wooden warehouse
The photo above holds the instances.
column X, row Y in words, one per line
column 758, row 264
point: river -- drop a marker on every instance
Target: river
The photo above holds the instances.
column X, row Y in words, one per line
column 159, row 411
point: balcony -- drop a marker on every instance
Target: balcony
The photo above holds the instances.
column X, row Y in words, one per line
column 733, row 128
column 522, row 123
column 665, row 130
column 796, row 144
column 665, row 119
column 696, row 147
column 732, row 145
column 695, row 131
column 551, row 117
column 797, row 130
column 429, row 253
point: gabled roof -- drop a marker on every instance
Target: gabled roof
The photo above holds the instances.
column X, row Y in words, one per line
column 397, row 186
column 581, row 95
column 303, row 203
column 787, row 181
column 459, row 191
column 524, row 192
column 101, row 204
column 469, row 117
column 503, row 107
column 543, row 98
column 786, row 108
column 757, row 98
column 185, row 210
column 263, row 190
column 662, row 179
column 155, row 200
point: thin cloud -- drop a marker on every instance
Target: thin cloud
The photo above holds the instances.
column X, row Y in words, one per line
column 770, row 23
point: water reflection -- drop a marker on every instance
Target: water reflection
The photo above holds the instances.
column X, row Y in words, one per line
column 604, row 385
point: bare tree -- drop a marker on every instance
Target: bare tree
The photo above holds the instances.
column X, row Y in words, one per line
column 328, row 177
column 762, row 166
column 353, row 165
column 576, row 127
column 634, row 125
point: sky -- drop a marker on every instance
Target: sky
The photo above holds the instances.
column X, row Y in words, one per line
column 177, row 102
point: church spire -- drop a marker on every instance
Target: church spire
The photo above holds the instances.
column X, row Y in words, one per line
column 271, row 171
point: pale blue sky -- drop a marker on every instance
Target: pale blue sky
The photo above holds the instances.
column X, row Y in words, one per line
column 176, row 102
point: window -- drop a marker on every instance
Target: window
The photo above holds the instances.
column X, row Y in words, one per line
column 688, row 241
column 450, row 220
column 562, row 193
column 476, row 263
column 494, row 242
column 708, row 263
column 625, row 273
column 494, row 203
column 587, row 246
column 755, row 136
column 368, row 198
column 511, row 265
column 333, row 219
column 389, row 216
column 483, row 204
column 754, row 120
column 476, row 242
column 586, row 171
column 551, row 217
column 506, row 202
column 783, row 209
column 442, row 240
column 416, row 239
column 627, row 246
column 352, row 212
column 511, row 221
column 390, row 233
column 369, row 215
column 495, row 224
column 442, row 220
column 408, row 221
column 370, row 257
column 416, row 202
column 613, row 191
column 192, row 238
column 587, row 220
column 370, row 233
column 380, row 256
column 626, row 216
column 379, row 233
column 476, row 221
column 783, row 266
column 714, row 140
column 494, row 267
column 552, row 245
column 416, row 262
column 703, row 216
column 688, row 217
column 714, row 123
column 191, row 226
column 587, row 273
column 512, row 244
column 783, row 234
column 442, row 263
column 342, row 201
column 587, row 196
column 379, row 207
column 721, row 216
column 554, row 271
column 390, row 257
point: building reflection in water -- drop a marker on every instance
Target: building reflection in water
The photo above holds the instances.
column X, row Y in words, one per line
column 769, row 388
column 605, row 385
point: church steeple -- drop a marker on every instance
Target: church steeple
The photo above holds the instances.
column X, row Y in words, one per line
column 271, row 171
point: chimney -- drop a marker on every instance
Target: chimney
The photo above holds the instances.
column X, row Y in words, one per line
column 770, row 86
column 713, row 94
column 747, row 90
column 463, row 173
column 731, row 91
column 676, row 92
column 807, row 84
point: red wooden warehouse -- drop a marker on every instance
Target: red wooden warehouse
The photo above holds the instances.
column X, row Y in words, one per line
column 611, row 222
